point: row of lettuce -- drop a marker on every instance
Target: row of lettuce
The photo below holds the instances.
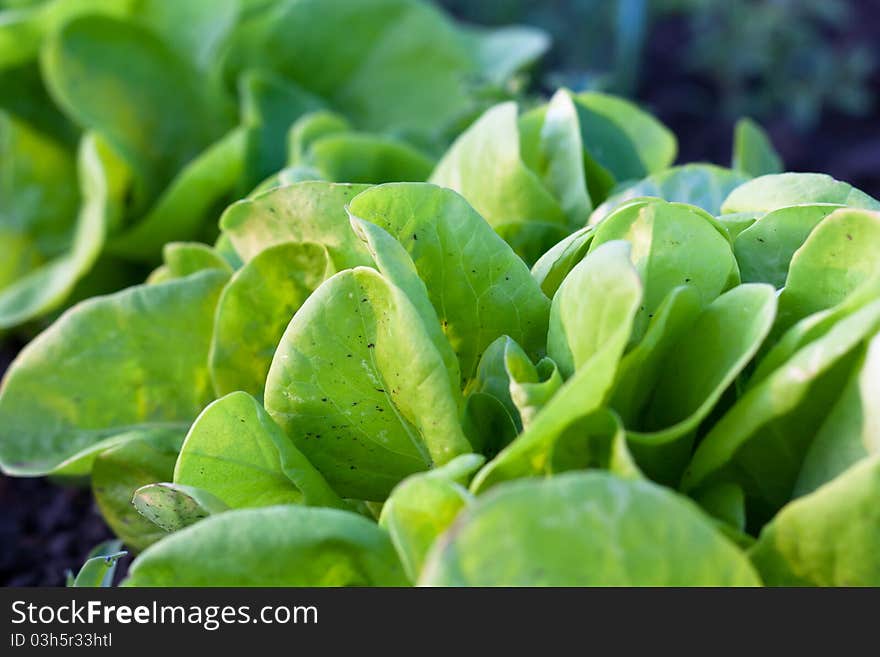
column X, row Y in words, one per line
column 561, row 360
column 188, row 105
column 666, row 397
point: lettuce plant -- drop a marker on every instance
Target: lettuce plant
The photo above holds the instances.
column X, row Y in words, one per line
column 561, row 361
column 101, row 164
column 535, row 177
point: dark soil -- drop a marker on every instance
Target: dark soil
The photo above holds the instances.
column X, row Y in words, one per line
column 44, row 531
column 845, row 147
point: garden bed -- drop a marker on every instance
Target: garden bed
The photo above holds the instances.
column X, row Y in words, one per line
column 46, row 529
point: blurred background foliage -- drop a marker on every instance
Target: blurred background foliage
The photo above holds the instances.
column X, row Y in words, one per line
column 808, row 70
column 792, row 56
column 597, row 44
column 762, row 56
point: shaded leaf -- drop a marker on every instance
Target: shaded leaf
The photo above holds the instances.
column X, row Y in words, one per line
column 752, row 150
column 171, row 507
column 146, row 457
column 294, row 546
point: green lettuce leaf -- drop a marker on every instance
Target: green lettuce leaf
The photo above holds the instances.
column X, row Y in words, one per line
column 293, row 545
column 594, row 308
column 753, row 152
column 360, row 388
column 423, row 506
column 704, row 185
column 254, row 309
column 478, row 287
column 237, row 453
column 302, row 212
column 103, row 369
column 775, row 191
column 828, row 538
column 585, row 529
column 147, row 457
